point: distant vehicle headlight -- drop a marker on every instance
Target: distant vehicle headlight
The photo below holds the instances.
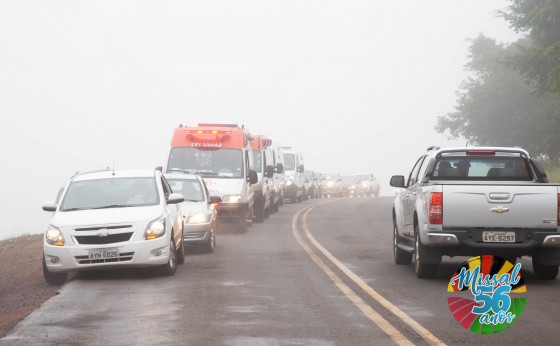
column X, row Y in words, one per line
column 198, row 218
column 232, row 199
column 289, row 182
column 155, row 229
column 330, row 183
column 54, row 236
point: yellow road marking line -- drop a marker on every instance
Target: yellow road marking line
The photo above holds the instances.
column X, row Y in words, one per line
column 423, row 332
column 373, row 315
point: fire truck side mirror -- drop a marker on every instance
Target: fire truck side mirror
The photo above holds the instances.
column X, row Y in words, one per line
column 279, row 168
column 253, row 178
column 269, row 171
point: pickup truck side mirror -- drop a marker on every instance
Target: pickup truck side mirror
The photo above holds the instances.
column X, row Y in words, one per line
column 253, row 178
column 269, row 171
column 397, row 181
column 279, row 168
column 300, row 168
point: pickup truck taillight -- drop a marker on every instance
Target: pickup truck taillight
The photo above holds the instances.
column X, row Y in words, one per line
column 436, row 208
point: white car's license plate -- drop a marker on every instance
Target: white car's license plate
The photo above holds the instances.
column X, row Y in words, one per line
column 498, row 237
column 101, row 254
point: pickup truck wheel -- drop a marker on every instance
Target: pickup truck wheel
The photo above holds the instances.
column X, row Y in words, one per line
column 401, row 257
column 170, row 267
column 542, row 271
column 423, row 270
column 53, row 279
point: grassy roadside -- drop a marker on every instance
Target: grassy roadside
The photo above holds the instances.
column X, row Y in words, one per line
column 553, row 171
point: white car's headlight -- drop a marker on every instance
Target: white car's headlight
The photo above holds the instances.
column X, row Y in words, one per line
column 155, row 229
column 198, row 218
column 54, row 236
column 289, row 182
column 232, row 199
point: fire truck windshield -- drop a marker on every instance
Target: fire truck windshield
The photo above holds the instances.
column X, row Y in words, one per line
column 225, row 162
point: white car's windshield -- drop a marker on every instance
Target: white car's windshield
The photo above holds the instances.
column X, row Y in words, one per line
column 189, row 188
column 349, row 179
column 225, row 162
column 110, row 193
column 362, row 177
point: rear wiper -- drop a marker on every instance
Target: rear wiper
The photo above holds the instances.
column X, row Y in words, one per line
column 112, row 206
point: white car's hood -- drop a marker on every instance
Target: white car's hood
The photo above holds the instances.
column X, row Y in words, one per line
column 106, row 216
column 223, row 187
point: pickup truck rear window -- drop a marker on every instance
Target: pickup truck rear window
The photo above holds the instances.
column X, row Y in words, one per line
column 482, row 168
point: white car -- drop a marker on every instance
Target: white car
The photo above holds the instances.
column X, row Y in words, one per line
column 113, row 219
column 198, row 208
column 369, row 184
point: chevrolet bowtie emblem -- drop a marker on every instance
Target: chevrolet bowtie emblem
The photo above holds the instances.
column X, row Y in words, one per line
column 103, row 232
column 499, row 210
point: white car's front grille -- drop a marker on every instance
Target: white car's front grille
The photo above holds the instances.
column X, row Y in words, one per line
column 107, row 239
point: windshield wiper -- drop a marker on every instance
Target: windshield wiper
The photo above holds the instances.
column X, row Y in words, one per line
column 192, row 200
column 73, row 209
column 187, row 171
column 112, row 206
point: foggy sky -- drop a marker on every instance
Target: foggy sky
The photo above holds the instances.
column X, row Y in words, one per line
column 356, row 85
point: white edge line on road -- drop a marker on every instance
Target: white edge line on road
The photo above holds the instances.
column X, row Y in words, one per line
column 423, row 332
column 373, row 315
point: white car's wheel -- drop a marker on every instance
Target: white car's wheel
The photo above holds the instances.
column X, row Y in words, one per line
column 170, row 267
column 53, row 279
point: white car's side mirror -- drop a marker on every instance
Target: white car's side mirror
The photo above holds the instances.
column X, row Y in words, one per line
column 175, row 198
column 49, row 206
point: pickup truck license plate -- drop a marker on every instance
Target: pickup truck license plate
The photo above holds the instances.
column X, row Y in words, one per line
column 100, row 254
column 498, row 237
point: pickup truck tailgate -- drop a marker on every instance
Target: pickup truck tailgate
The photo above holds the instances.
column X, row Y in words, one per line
column 500, row 206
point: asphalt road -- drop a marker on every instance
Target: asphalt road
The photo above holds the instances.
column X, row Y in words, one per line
column 319, row 272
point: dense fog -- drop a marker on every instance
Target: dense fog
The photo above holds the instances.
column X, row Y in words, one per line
column 355, row 85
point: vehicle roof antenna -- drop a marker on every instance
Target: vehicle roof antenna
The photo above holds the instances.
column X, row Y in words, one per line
column 466, row 145
column 113, row 167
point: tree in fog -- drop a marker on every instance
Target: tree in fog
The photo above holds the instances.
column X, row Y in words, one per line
column 539, row 59
column 495, row 106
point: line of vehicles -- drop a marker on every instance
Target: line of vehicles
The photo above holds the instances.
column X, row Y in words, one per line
column 216, row 175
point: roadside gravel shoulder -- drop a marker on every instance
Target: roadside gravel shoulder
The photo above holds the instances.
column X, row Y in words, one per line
column 22, row 287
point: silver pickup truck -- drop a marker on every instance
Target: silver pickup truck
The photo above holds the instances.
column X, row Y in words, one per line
column 474, row 201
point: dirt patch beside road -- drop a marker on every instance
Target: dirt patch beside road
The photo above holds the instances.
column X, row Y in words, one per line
column 22, row 286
